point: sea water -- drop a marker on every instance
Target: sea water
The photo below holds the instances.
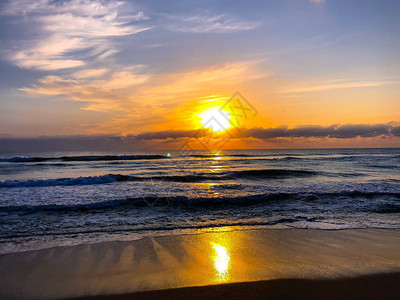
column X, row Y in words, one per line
column 51, row 199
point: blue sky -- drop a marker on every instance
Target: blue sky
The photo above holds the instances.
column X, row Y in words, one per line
column 107, row 67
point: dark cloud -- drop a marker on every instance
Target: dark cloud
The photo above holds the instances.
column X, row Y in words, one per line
column 395, row 131
column 261, row 133
column 304, row 131
column 352, row 131
column 166, row 134
column 333, row 131
column 146, row 140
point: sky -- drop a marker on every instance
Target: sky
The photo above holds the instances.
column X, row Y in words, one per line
column 310, row 73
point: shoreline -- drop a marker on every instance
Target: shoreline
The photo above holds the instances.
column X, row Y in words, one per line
column 193, row 231
column 210, row 259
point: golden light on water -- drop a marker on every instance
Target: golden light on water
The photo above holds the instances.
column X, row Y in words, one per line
column 217, row 155
column 215, row 119
column 221, row 261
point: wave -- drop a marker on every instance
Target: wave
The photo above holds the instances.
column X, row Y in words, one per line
column 165, row 227
column 390, row 167
column 19, row 159
column 272, row 173
column 255, row 156
column 51, row 165
column 62, row 181
column 268, row 156
column 387, row 208
column 347, row 175
column 347, row 157
column 243, row 174
column 219, row 202
column 196, row 177
column 223, row 155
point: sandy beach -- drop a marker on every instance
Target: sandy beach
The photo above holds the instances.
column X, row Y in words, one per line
column 341, row 264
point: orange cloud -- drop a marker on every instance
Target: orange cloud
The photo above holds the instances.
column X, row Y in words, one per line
column 337, row 84
column 130, row 95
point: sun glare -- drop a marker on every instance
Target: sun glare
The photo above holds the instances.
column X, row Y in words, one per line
column 215, row 119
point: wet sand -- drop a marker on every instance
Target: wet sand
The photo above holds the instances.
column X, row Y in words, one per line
column 278, row 264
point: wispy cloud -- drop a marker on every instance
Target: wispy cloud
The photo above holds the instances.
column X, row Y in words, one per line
column 336, row 84
column 70, row 33
column 228, row 74
column 317, row 1
column 208, row 22
column 104, row 93
column 90, row 73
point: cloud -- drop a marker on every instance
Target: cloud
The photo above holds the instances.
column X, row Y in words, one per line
column 336, row 84
column 136, row 100
column 230, row 73
column 334, row 131
column 73, row 42
column 90, row 73
column 131, row 99
column 106, row 93
column 208, row 22
column 70, row 33
column 395, row 131
column 175, row 139
column 317, row 1
column 166, row 134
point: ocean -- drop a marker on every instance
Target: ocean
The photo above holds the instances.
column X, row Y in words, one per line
column 52, row 199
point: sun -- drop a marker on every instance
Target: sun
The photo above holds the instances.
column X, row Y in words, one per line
column 215, row 119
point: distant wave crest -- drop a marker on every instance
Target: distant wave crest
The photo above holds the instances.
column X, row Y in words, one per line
column 19, row 159
column 218, row 202
column 196, row 177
